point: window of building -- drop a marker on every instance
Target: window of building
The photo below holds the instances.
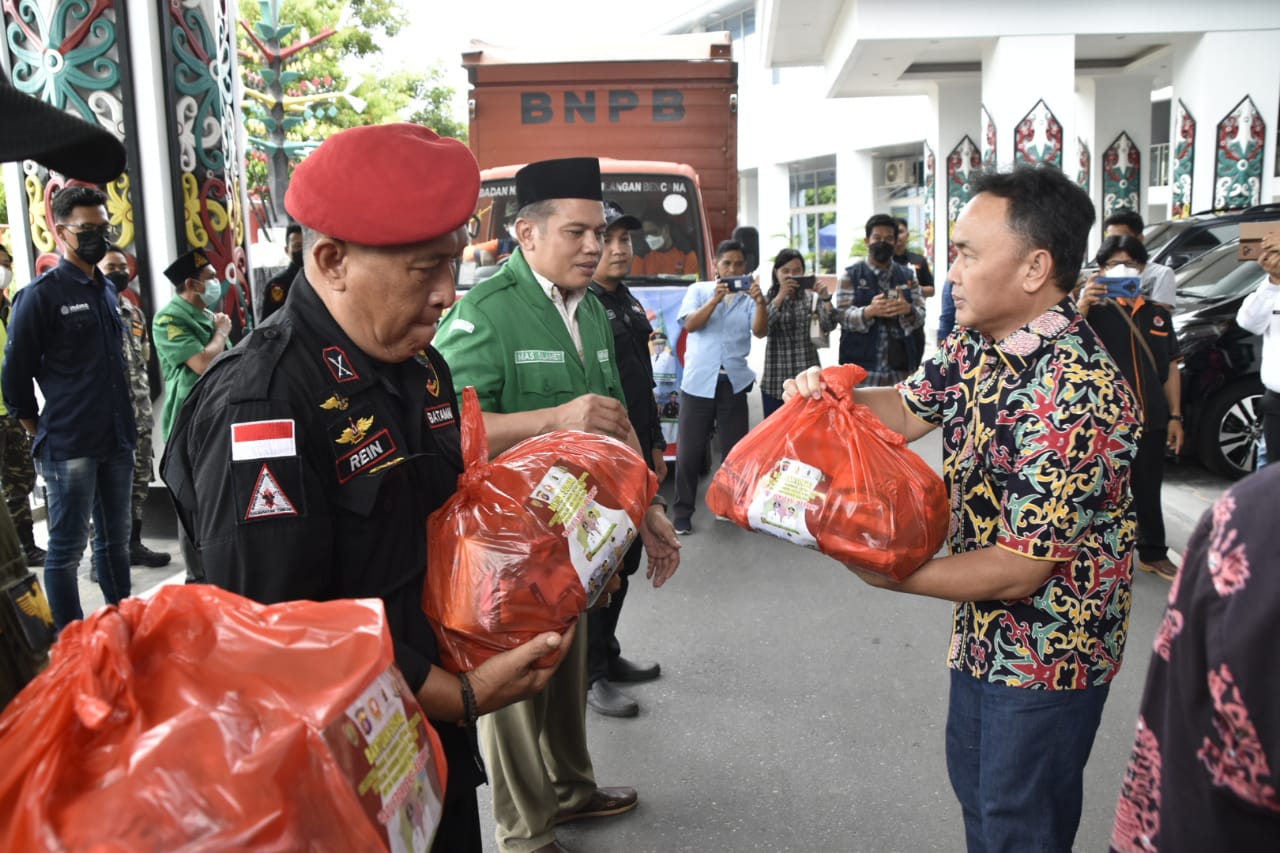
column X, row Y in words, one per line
column 813, row 217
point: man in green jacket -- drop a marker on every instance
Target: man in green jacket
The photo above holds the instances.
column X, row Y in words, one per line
column 538, row 348
column 187, row 335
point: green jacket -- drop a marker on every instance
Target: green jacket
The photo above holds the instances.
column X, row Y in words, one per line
column 506, row 338
column 179, row 331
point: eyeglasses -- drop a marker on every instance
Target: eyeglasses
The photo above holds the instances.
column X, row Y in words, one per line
column 86, row 227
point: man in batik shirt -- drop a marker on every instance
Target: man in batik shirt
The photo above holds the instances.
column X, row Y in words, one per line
column 1039, row 431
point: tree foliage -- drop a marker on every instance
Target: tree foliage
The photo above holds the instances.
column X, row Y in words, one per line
column 349, row 62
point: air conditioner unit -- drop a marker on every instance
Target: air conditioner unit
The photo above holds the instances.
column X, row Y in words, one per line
column 897, row 173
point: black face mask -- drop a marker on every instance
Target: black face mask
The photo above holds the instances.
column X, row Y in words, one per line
column 881, row 252
column 119, row 280
column 296, row 258
column 91, row 246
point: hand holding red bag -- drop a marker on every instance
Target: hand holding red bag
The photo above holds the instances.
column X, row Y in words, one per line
column 202, row 720
column 530, row 539
column 829, row 475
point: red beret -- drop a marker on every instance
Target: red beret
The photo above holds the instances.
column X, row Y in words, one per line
column 385, row 185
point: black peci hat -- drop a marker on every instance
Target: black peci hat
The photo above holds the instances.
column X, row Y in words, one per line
column 30, row 129
column 187, row 266
column 570, row 177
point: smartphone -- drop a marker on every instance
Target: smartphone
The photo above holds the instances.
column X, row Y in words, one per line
column 891, row 293
column 1126, row 287
column 738, row 283
column 805, row 282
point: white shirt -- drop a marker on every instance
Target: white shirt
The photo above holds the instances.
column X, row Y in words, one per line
column 1260, row 314
column 1158, row 284
column 566, row 305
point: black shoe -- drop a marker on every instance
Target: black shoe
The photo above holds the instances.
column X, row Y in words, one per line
column 606, row 699
column 141, row 555
column 35, row 556
column 621, row 669
column 683, row 526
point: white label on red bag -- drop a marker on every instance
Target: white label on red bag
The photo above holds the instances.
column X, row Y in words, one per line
column 382, row 745
column 598, row 535
column 262, row 440
column 779, row 506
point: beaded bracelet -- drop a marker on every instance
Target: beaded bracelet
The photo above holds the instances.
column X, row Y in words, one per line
column 469, row 713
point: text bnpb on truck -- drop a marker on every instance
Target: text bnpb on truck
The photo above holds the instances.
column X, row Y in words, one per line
column 665, row 128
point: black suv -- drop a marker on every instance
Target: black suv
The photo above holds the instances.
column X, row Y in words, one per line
column 1177, row 241
column 1221, row 386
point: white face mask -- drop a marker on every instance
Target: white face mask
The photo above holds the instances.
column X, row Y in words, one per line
column 655, row 241
column 1123, row 272
column 6, row 276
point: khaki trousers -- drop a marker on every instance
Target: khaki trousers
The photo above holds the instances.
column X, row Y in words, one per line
column 536, row 754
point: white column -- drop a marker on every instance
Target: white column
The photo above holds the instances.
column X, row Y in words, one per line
column 1122, row 105
column 856, row 180
column 1018, row 71
column 955, row 105
column 1211, row 73
column 153, row 189
column 773, row 192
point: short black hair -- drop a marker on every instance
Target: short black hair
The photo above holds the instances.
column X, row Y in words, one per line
column 881, row 220
column 902, row 222
column 291, row 229
column 1131, row 246
column 1049, row 211
column 1125, row 218
column 729, row 246
column 68, row 199
column 116, row 247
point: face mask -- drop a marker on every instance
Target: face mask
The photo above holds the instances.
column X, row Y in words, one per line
column 655, row 241
column 881, row 252
column 91, row 246
column 212, row 293
column 296, row 258
column 119, row 280
column 6, row 276
column 1123, row 272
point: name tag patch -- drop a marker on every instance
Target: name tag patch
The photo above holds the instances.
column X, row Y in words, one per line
column 262, row 440
column 365, row 455
column 540, row 356
column 603, row 356
column 438, row 416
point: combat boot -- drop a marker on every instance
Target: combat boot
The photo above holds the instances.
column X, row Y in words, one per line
column 141, row 555
column 26, row 536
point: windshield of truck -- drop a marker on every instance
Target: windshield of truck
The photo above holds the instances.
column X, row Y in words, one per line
column 668, row 249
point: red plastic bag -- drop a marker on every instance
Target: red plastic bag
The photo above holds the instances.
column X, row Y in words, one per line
column 200, row 720
column 530, row 539
column 827, row 474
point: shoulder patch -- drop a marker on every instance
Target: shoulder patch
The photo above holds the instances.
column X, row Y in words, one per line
column 262, row 440
column 173, row 332
column 339, row 364
column 267, row 498
column 463, row 325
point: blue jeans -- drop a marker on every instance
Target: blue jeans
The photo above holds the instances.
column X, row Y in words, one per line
column 1016, row 760
column 77, row 488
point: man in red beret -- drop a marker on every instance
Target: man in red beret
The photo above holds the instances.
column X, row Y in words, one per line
column 307, row 460
column 537, row 346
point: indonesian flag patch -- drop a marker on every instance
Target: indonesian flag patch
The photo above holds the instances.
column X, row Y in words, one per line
column 267, row 498
column 262, row 440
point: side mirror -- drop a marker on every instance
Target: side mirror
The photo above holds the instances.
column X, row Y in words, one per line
column 749, row 237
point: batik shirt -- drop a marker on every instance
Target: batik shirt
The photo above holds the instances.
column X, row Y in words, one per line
column 1039, row 431
column 1205, row 769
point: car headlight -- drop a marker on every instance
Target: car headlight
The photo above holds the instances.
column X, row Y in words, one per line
column 1192, row 337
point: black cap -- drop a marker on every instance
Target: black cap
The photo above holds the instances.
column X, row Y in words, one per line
column 614, row 215
column 187, row 266
column 30, row 129
column 570, row 177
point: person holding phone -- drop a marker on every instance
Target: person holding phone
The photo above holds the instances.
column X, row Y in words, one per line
column 880, row 307
column 1138, row 333
column 719, row 321
column 793, row 299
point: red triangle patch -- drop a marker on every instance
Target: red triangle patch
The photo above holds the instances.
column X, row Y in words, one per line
column 267, row 498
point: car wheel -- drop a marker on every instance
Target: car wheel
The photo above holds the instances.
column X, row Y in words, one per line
column 1231, row 429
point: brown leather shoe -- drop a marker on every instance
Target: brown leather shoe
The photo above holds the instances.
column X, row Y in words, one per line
column 1160, row 568
column 603, row 803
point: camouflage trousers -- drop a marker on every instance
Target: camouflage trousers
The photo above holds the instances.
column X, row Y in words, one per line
column 17, row 472
column 142, row 470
